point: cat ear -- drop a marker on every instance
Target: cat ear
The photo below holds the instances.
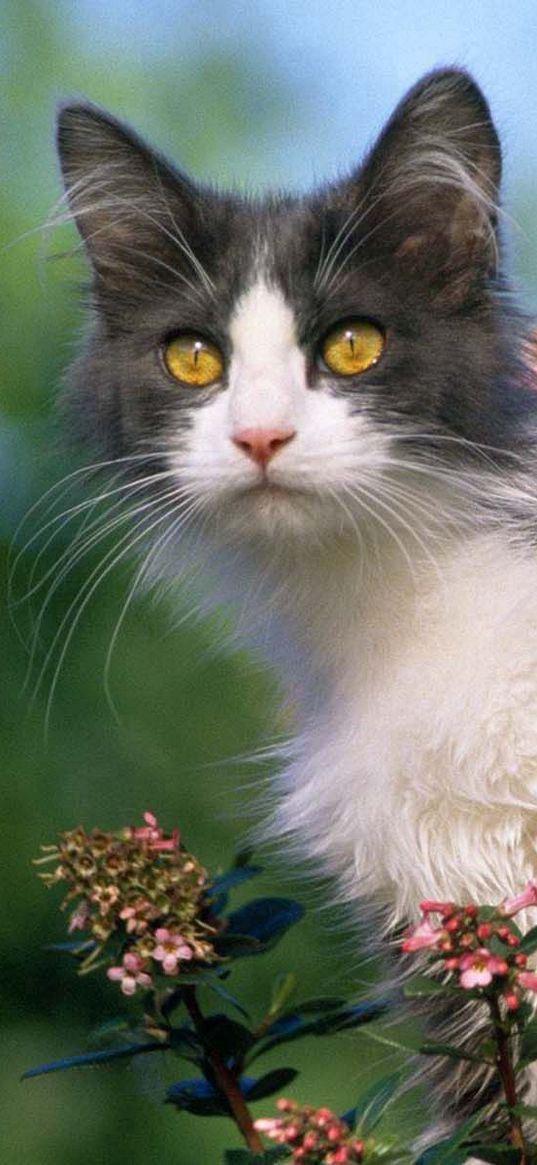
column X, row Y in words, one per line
column 134, row 211
column 432, row 183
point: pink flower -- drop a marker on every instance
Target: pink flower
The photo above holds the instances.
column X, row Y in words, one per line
column 431, row 907
column 479, row 967
column 528, row 980
column 80, row 917
column 267, row 1125
column 422, row 935
column 340, row 1157
column 152, row 834
column 131, row 975
column 137, row 915
column 528, row 897
column 171, row 949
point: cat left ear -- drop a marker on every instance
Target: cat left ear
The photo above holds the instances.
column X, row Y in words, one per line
column 432, row 184
column 134, row 211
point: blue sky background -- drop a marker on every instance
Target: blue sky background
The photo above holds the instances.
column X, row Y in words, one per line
column 345, row 62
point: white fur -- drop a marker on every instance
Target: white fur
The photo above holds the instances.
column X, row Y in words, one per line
column 407, row 639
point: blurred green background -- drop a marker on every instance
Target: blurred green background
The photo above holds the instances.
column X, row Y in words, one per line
column 256, row 95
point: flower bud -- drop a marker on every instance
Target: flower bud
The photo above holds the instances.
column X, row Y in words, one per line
column 453, row 924
column 310, row 1141
column 284, row 1105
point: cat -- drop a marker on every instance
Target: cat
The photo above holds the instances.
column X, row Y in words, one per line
column 326, row 400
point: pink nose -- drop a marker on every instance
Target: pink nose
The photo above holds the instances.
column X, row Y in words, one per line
column 261, row 444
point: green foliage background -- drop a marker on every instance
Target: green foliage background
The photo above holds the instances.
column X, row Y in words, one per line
column 184, row 706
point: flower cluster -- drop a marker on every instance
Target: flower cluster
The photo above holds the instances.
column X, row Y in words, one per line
column 141, row 887
column 315, row 1135
column 479, row 946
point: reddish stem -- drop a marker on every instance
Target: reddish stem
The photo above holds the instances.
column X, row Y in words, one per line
column 504, row 1062
column 225, row 1079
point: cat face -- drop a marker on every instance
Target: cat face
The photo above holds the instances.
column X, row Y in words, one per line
column 285, row 363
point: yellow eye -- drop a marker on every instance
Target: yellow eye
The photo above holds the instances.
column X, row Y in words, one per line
column 352, row 347
column 193, row 360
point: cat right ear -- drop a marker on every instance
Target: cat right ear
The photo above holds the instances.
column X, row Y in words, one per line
column 432, row 185
column 135, row 213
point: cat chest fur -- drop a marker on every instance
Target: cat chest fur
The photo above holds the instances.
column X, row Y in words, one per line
column 415, row 773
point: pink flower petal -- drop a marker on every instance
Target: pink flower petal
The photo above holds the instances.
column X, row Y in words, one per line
column 431, row 907
column 422, row 935
column 132, row 962
column 528, row 980
column 169, row 964
column 528, row 897
column 128, row 985
column 475, row 977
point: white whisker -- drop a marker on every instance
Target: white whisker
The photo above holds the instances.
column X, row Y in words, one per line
column 94, row 580
column 148, row 562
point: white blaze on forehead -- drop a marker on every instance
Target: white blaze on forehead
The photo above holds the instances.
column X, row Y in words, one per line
column 267, row 375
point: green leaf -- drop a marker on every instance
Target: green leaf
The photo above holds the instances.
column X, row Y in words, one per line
column 227, row 1036
column 419, row 985
column 234, row 877
column 524, row 1110
column 94, row 1059
column 243, row 857
column 186, row 1044
column 375, row 1100
column 528, row 1048
column 112, row 1029
column 321, row 1004
column 292, row 1026
column 434, row 1049
column 529, row 943
column 397, row 1042
column 197, row 1097
column 218, row 889
column 73, row 947
column 282, row 990
column 216, row 986
column 237, row 946
column 497, row 1154
column 486, row 913
column 263, row 919
column 270, row 1083
column 454, row 1150
column 201, row 1098
column 350, row 1017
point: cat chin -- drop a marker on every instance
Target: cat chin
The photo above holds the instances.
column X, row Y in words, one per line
column 278, row 514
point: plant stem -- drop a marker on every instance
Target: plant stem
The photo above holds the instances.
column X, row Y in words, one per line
column 504, row 1061
column 225, row 1079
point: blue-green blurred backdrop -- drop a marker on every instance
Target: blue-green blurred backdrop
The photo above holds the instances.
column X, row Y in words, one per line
column 256, row 93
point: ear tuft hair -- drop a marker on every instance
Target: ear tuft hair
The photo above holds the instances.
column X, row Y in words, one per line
column 132, row 208
column 433, row 182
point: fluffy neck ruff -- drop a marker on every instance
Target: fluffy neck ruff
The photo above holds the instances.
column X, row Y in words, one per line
column 414, row 681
